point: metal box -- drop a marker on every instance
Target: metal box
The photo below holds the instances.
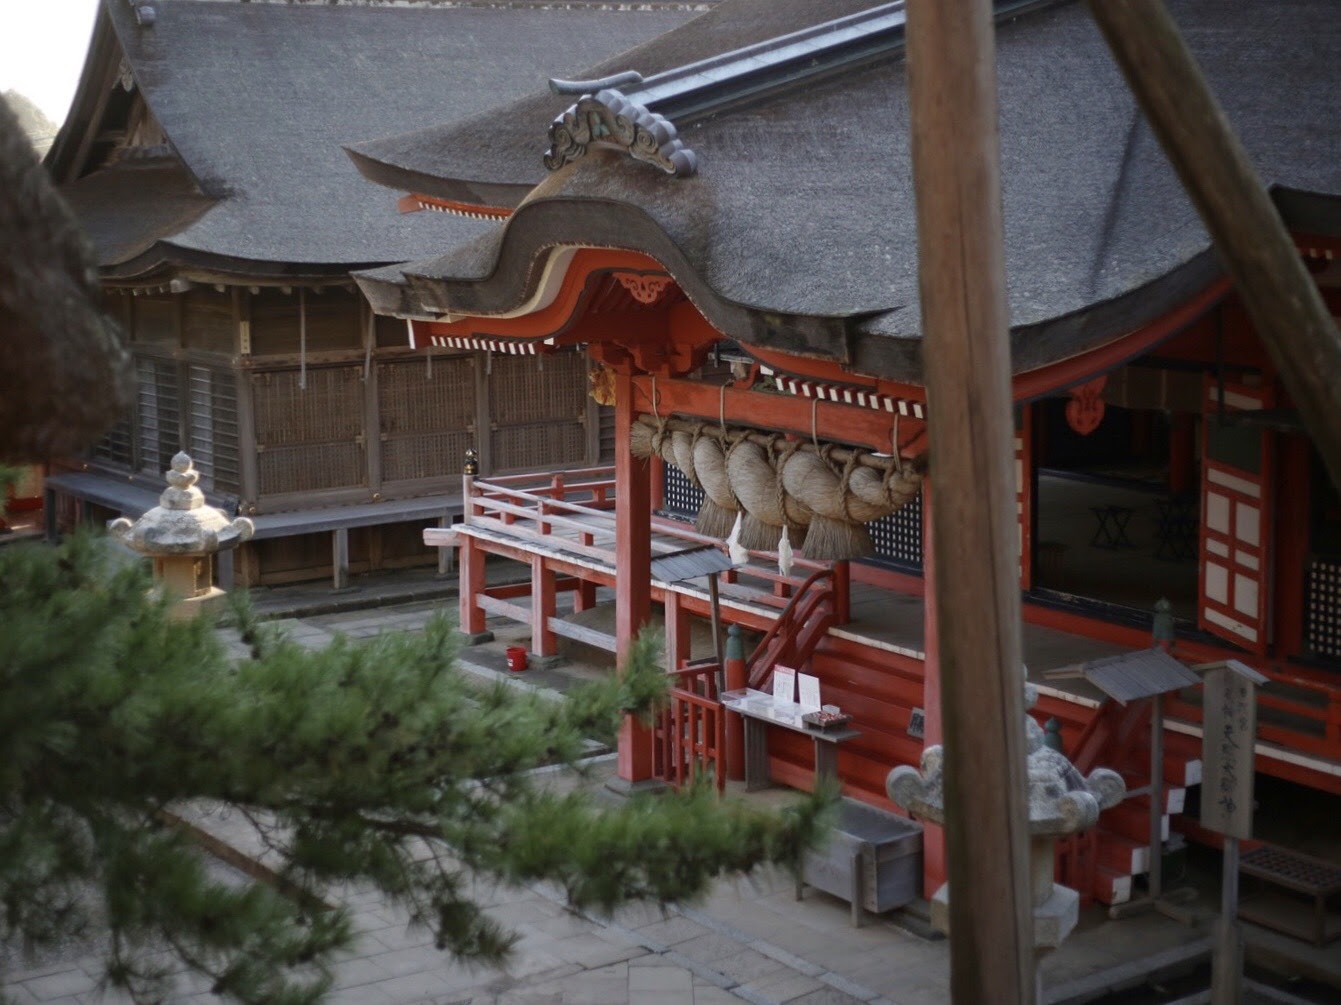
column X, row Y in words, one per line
column 873, row 860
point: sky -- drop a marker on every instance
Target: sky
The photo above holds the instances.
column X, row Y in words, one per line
column 42, row 47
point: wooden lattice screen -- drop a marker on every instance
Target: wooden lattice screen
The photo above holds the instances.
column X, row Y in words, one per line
column 682, row 499
column 605, row 416
column 1322, row 633
column 427, row 416
column 898, row 537
column 158, row 430
column 213, row 427
column 538, row 410
column 312, row 439
column 115, row 445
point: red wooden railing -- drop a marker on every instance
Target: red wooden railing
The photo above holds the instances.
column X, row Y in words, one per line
column 797, row 631
column 1077, row 863
column 689, row 738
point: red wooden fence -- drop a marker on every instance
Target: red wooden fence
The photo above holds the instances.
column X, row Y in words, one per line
column 690, row 735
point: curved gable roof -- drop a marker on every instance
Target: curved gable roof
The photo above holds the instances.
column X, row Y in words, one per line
column 799, row 227
column 256, row 98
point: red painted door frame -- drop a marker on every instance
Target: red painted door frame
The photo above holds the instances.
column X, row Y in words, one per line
column 1238, row 463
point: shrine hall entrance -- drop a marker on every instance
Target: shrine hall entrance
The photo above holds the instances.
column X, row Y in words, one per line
column 1115, row 510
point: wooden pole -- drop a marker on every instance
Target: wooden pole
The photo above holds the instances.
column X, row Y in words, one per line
column 1227, row 965
column 933, row 835
column 715, row 604
column 952, row 93
column 1156, row 878
column 1283, row 301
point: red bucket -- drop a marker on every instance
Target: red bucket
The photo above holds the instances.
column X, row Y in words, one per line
column 516, row 658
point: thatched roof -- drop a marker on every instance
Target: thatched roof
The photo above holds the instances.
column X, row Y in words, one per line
column 255, row 100
column 798, row 230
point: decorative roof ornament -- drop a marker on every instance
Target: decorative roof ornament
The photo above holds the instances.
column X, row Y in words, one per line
column 637, row 114
column 609, row 119
column 145, row 14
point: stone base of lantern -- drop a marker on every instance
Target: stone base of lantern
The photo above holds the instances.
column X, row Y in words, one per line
column 209, row 602
column 1054, row 918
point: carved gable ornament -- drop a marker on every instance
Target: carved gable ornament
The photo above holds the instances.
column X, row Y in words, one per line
column 644, row 287
column 609, row 119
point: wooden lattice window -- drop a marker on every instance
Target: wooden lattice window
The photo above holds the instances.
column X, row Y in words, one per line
column 539, row 410
column 605, row 418
column 158, row 430
column 309, row 439
column 682, row 499
column 213, row 427
column 115, row 445
column 1322, row 604
column 427, row 416
column 898, row 537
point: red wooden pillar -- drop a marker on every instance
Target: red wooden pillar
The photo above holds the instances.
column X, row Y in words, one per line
column 584, row 596
column 633, row 567
column 933, row 836
column 1182, row 453
column 1293, row 521
column 737, row 678
column 677, row 631
column 842, row 592
column 658, row 483
column 543, row 641
column 471, row 558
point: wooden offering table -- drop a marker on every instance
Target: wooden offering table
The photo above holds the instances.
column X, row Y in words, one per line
column 761, row 710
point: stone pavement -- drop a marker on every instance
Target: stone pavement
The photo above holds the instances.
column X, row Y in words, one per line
column 749, row 940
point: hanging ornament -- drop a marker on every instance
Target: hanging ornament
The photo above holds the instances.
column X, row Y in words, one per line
column 784, row 555
column 738, row 552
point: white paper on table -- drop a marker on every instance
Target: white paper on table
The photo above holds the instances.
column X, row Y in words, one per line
column 784, row 686
column 810, row 692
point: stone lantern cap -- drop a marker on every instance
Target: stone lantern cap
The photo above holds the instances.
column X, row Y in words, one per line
column 1061, row 800
column 181, row 523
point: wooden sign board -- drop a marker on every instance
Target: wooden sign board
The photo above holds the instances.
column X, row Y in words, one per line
column 1229, row 732
column 917, row 724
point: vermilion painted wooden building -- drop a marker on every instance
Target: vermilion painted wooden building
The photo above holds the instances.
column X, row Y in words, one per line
column 726, row 227
column 202, row 156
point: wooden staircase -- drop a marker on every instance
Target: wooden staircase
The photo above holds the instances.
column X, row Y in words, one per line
column 1118, row 737
column 797, row 632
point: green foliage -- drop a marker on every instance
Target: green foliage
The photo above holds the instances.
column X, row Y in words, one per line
column 372, row 764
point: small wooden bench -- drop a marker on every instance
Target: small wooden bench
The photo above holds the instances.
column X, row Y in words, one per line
column 1299, row 873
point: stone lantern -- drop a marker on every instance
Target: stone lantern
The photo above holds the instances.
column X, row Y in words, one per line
column 1061, row 802
column 181, row 534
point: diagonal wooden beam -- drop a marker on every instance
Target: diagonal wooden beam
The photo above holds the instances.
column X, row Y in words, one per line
column 1283, row 301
